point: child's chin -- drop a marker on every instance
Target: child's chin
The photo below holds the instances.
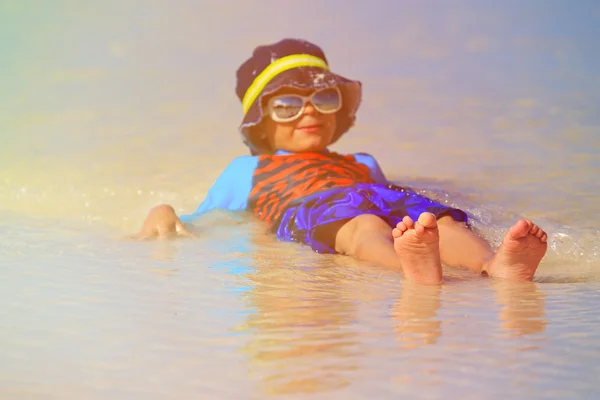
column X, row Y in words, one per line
column 312, row 144
column 312, row 147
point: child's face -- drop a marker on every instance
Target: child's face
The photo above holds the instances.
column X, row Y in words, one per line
column 311, row 131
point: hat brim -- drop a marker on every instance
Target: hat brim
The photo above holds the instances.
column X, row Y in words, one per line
column 305, row 78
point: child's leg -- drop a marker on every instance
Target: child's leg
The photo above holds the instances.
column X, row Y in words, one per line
column 415, row 248
column 518, row 257
column 366, row 237
column 418, row 247
column 460, row 246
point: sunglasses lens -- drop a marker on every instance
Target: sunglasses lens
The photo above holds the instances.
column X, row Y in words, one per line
column 285, row 107
column 327, row 100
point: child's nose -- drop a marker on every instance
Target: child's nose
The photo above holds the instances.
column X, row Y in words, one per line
column 309, row 108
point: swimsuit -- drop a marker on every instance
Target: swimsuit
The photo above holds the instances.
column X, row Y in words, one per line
column 295, row 193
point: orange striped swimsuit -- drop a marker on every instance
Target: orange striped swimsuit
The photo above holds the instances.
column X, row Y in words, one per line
column 281, row 180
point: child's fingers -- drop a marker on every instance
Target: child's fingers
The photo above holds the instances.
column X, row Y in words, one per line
column 143, row 236
column 146, row 233
column 181, row 231
column 136, row 237
column 165, row 231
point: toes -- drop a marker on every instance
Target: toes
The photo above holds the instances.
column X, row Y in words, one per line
column 419, row 229
column 540, row 233
column 534, row 230
column 537, row 231
column 525, row 223
column 408, row 221
column 520, row 229
column 428, row 220
column 400, row 229
column 401, row 226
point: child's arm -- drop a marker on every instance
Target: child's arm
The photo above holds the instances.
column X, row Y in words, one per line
column 230, row 191
column 369, row 161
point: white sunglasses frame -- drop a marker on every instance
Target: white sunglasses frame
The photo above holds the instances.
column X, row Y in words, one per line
column 305, row 99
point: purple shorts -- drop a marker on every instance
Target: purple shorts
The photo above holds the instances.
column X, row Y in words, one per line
column 390, row 202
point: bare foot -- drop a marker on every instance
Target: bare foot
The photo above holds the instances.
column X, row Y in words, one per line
column 520, row 253
column 418, row 248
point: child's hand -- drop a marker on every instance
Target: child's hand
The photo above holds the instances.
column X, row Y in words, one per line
column 162, row 222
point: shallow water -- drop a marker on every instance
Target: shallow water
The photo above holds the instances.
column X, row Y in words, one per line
column 108, row 110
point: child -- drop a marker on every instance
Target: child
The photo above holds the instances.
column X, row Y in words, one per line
column 294, row 108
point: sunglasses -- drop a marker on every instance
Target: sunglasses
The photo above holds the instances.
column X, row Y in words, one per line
column 288, row 107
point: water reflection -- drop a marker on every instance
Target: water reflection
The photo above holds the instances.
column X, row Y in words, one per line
column 301, row 341
column 163, row 250
column 416, row 315
column 418, row 323
column 523, row 308
column 307, row 332
column 313, row 322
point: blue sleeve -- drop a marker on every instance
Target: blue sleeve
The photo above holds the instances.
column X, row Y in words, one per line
column 369, row 161
column 231, row 189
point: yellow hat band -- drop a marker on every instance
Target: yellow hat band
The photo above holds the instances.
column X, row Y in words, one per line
column 276, row 68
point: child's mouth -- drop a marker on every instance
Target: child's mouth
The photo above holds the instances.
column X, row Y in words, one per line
column 310, row 128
